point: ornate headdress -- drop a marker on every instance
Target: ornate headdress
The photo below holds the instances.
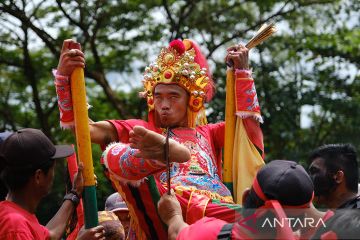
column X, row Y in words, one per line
column 183, row 64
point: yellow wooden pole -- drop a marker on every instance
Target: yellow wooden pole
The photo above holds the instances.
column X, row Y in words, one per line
column 82, row 125
column 83, row 143
column 230, row 121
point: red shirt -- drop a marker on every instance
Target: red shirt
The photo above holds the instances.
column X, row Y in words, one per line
column 17, row 223
column 206, row 228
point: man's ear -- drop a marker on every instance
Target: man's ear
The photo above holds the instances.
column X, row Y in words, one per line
column 245, row 195
column 38, row 175
column 339, row 177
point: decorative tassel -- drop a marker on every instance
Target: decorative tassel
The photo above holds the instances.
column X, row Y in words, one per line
column 191, row 118
column 253, row 115
column 201, row 117
column 196, row 118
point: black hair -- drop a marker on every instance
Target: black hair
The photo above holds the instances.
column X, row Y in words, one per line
column 113, row 230
column 253, row 200
column 345, row 224
column 339, row 157
column 250, row 205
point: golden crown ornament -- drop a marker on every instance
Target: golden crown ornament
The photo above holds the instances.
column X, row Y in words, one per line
column 176, row 65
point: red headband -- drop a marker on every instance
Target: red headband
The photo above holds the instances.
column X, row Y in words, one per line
column 283, row 232
column 261, row 195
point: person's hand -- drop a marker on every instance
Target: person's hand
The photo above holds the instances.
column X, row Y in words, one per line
column 169, row 208
column 97, row 232
column 170, row 213
column 71, row 57
column 78, row 184
column 238, row 56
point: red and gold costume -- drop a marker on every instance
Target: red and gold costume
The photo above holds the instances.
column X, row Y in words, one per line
column 197, row 182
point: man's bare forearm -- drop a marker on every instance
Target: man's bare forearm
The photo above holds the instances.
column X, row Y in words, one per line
column 58, row 223
column 101, row 132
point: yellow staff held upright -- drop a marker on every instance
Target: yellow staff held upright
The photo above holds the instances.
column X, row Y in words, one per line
column 83, row 143
column 241, row 158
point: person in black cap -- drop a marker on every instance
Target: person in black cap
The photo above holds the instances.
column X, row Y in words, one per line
column 280, row 187
column 335, row 173
column 27, row 164
column 288, row 183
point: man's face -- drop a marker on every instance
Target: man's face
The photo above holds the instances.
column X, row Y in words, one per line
column 170, row 101
column 47, row 180
column 124, row 218
column 324, row 183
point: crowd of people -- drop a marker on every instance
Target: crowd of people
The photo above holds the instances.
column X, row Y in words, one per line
column 280, row 203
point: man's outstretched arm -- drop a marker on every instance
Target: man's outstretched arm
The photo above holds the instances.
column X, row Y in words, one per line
column 102, row 132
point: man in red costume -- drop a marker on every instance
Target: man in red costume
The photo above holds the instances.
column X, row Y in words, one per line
column 176, row 87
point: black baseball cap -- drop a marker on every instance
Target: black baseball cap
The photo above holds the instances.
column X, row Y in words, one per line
column 30, row 147
column 285, row 181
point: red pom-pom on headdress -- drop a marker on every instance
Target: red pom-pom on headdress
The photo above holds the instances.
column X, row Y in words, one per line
column 178, row 45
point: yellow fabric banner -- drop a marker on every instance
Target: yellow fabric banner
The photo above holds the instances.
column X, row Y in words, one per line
column 246, row 161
